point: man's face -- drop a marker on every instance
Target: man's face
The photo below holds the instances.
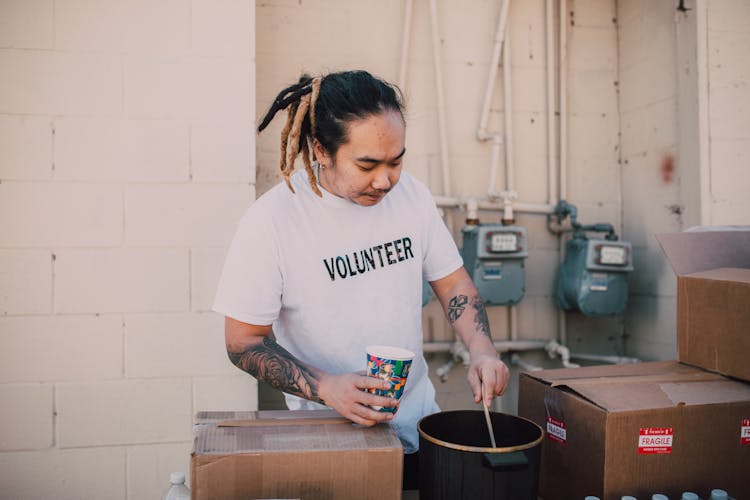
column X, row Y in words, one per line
column 368, row 166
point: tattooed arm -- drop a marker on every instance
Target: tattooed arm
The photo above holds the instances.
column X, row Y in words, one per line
column 466, row 312
column 251, row 349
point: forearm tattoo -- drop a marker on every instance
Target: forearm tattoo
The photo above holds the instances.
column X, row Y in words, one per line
column 273, row 364
column 481, row 322
column 457, row 306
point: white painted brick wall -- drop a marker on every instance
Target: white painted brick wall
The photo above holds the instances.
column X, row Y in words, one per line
column 126, row 149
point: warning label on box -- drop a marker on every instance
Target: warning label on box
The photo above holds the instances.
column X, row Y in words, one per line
column 556, row 430
column 745, row 431
column 654, row 440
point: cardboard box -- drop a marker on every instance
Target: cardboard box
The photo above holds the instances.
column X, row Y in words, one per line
column 309, row 455
column 639, row 429
column 713, row 299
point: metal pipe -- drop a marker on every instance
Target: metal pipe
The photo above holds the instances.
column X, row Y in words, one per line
column 551, row 148
column 615, row 360
column 508, row 113
column 405, row 40
column 562, row 99
column 440, row 99
column 530, row 208
column 494, row 63
column 500, row 346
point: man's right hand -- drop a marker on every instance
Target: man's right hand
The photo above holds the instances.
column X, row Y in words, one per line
column 347, row 395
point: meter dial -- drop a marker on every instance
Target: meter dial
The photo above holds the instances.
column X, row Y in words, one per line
column 502, row 242
column 612, row 255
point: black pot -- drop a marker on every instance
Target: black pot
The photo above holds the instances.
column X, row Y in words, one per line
column 457, row 461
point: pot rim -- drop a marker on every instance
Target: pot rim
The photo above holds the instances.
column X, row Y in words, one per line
column 479, row 449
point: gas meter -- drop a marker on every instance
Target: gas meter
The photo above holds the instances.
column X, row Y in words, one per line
column 494, row 257
column 594, row 275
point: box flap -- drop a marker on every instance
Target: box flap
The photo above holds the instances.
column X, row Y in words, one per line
column 731, row 274
column 641, row 386
column 691, row 252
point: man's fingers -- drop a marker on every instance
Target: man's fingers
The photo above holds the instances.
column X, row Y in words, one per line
column 475, row 385
column 365, row 382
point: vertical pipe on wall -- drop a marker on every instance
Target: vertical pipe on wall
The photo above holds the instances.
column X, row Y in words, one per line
column 440, row 100
column 551, row 147
column 562, row 330
column 405, row 40
column 508, row 112
column 494, row 64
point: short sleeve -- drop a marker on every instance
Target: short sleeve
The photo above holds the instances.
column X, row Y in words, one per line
column 441, row 256
column 251, row 283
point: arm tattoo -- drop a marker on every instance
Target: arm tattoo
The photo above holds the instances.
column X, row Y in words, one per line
column 456, row 307
column 481, row 322
column 273, row 364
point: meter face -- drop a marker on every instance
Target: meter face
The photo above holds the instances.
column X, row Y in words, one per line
column 616, row 256
column 503, row 242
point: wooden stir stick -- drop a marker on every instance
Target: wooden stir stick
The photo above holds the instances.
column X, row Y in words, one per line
column 489, row 421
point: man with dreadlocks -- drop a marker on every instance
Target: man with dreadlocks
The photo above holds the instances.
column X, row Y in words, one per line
column 333, row 260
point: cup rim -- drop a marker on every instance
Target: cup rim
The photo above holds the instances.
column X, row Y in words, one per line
column 390, row 352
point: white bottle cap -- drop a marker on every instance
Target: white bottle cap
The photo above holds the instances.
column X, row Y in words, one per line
column 659, row 496
column 689, row 495
column 177, row 478
column 627, row 497
column 591, row 497
column 719, row 495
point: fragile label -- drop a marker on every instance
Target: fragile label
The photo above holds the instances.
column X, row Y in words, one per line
column 745, row 431
column 556, row 430
column 653, row 440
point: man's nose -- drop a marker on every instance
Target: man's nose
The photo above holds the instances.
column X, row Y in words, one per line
column 381, row 180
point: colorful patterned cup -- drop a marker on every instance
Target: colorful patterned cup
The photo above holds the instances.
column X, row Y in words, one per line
column 392, row 364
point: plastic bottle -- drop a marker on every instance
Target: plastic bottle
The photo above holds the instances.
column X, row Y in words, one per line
column 178, row 490
column 628, row 497
column 591, row 497
column 659, row 496
column 689, row 495
column 718, row 494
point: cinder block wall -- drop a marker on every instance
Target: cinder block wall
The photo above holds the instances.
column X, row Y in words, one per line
column 126, row 159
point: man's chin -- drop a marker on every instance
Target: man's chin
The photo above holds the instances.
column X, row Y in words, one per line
column 368, row 200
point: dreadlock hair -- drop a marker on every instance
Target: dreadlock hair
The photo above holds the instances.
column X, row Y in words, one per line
column 321, row 108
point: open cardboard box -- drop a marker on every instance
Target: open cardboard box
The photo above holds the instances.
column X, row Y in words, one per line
column 639, row 429
column 713, row 298
column 312, row 455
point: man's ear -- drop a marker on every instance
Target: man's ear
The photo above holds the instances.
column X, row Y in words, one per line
column 320, row 153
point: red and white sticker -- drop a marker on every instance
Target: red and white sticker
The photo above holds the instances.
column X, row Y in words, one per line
column 556, row 430
column 745, row 431
column 653, row 440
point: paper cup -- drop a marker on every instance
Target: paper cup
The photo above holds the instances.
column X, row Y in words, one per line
column 392, row 364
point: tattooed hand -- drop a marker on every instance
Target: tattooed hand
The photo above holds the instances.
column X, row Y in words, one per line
column 347, row 395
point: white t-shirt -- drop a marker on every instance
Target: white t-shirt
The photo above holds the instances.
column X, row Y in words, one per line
column 332, row 277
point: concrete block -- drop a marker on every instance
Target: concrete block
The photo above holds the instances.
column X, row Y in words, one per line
column 91, row 25
column 121, row 280
column 227, row 393
column 652, row 274
column 25, row 281
column 149, row 467
column 527, row 34
column 222, row 28
column 727, row 58
column 541, row 272
column 649, row 128
column 652, row 326
column 161, row 26
column 730, row 112
column 592, row 13
column 730, row 211
column 175, row 345
column 18, row 161
column 593, row 49
column 729, row 174
column 127, row 412
column 60, row 83
column 206, row 265
column 60, row 214
column 647, row 82
column 286, row 29
column 86, row 348
column 528, row 88
column 650, row 34
column 222, row 151
column 537, row 318
column 592, row 91
column 467, row 34
column 185, row 214
column 26, row 419
column 27, row 24
column 121, row 150
column 728, row 15
column 188, row 88
column 80, row 473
